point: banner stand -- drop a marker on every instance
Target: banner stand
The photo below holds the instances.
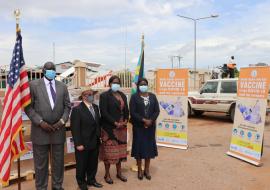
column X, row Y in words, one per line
column 235, row 155
column 173, row 146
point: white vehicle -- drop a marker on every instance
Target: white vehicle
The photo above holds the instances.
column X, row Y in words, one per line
column 216, row 95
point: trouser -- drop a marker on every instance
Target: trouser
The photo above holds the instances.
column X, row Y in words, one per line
column 86, row 166
column 41, row 160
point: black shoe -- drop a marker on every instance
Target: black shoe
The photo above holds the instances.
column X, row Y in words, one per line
column 147, row 176
column 140, row 175
column 122, row 178
column 108, row 180
column 95, row 184
column 57, row 188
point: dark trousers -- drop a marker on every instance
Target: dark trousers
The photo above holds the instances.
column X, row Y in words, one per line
column 41, row 161
column 86, row 166
column 231, row 72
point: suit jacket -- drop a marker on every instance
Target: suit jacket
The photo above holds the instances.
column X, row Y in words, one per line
column 110, row 109
column 84, row 127
column 137, row 109
column 40, row 109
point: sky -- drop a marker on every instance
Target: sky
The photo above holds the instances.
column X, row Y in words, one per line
column 109, row 32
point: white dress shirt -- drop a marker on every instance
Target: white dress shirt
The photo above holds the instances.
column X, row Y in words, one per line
column 47, row 84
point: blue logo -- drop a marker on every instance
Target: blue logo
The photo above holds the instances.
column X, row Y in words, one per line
column 174, row 126
column 167, row 125
column 242, row 133
column 160, row 125
column 249, row 135
column 258, row 136
column 182, row 127
column 235, row 131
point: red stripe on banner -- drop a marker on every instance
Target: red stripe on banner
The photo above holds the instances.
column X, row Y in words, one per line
column 15, row 148
column 26, row 98
column 6, row 135
column 9, row 90
column 24, row 86
column 7, row 174
column 4, row 118
column 5, row 156
column 16, row 126
column 22, row 145
column 23, row 74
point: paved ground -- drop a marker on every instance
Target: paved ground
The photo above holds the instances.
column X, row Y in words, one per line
column 204, row 166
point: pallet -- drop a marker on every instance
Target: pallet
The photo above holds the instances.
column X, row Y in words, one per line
column 25, row 176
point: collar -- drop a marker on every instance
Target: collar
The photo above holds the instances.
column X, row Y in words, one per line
column 47, row 82
column 87, row 104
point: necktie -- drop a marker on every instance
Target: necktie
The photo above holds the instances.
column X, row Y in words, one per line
column 92, row 111
column 52, row 92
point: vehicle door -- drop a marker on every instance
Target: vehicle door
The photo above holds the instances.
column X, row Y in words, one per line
column 227, row 95
column 208, row 96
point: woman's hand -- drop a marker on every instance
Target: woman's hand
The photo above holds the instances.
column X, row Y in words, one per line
column 80, row 148
column 147, row 123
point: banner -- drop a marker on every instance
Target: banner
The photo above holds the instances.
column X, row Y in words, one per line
column 250, row 113
column 172, row 92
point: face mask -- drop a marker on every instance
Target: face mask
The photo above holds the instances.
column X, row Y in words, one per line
column 50, row 74
column 90, row 98
column 143, row 88
column 115, row 87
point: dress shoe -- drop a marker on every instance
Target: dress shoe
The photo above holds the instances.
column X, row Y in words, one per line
column 140, row 175
column 57, row 188
column 122, row 178
column 147, row 175
column 95, row 184
column 108, row 180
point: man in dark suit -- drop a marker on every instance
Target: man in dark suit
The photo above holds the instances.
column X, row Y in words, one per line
column 85, row 128
column 49, row 111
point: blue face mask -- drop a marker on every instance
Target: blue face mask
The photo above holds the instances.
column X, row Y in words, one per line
column 143, row 88
column 115, row 87
column 50, row 74
column 90, row 99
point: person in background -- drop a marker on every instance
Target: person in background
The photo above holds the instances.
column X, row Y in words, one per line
column 85, row 128
column 114, row 113
column 144, row 110
column 231, row 67
column 49, row 111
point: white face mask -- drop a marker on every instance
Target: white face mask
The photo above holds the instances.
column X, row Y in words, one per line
column 115, row 87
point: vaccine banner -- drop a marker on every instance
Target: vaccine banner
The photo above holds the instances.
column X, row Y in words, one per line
column 250, row 113
column 172, row 92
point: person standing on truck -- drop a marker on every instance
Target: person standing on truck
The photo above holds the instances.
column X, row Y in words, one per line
column 231, row 67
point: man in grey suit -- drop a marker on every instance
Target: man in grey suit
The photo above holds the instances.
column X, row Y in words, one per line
column 48, row 112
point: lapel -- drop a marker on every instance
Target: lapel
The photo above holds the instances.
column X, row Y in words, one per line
column 44, row 91
column 116, row 102
column 87, row 112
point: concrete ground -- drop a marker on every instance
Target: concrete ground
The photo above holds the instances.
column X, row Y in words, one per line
column 204, row 166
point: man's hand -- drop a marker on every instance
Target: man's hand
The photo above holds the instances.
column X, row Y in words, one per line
column 45, row 126
column 80, row 148
column 58, row 125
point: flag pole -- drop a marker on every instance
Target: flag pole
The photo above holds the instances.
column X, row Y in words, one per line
column 17, row 16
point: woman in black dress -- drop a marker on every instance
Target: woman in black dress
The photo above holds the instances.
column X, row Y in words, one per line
column 114, row 116
column 144, row 110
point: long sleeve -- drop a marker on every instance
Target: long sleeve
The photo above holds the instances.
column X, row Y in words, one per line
column 103, row 106
column 30, row 111
column 67, row 106
column 135, row 117
column 155, row 114
column 126, row 108
column 76, row 127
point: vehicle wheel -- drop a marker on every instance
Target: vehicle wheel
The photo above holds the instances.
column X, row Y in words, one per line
column 232, row 112
column 189, row 110
column 198, row 113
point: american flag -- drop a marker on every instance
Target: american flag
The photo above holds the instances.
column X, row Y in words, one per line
column 17, row 96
